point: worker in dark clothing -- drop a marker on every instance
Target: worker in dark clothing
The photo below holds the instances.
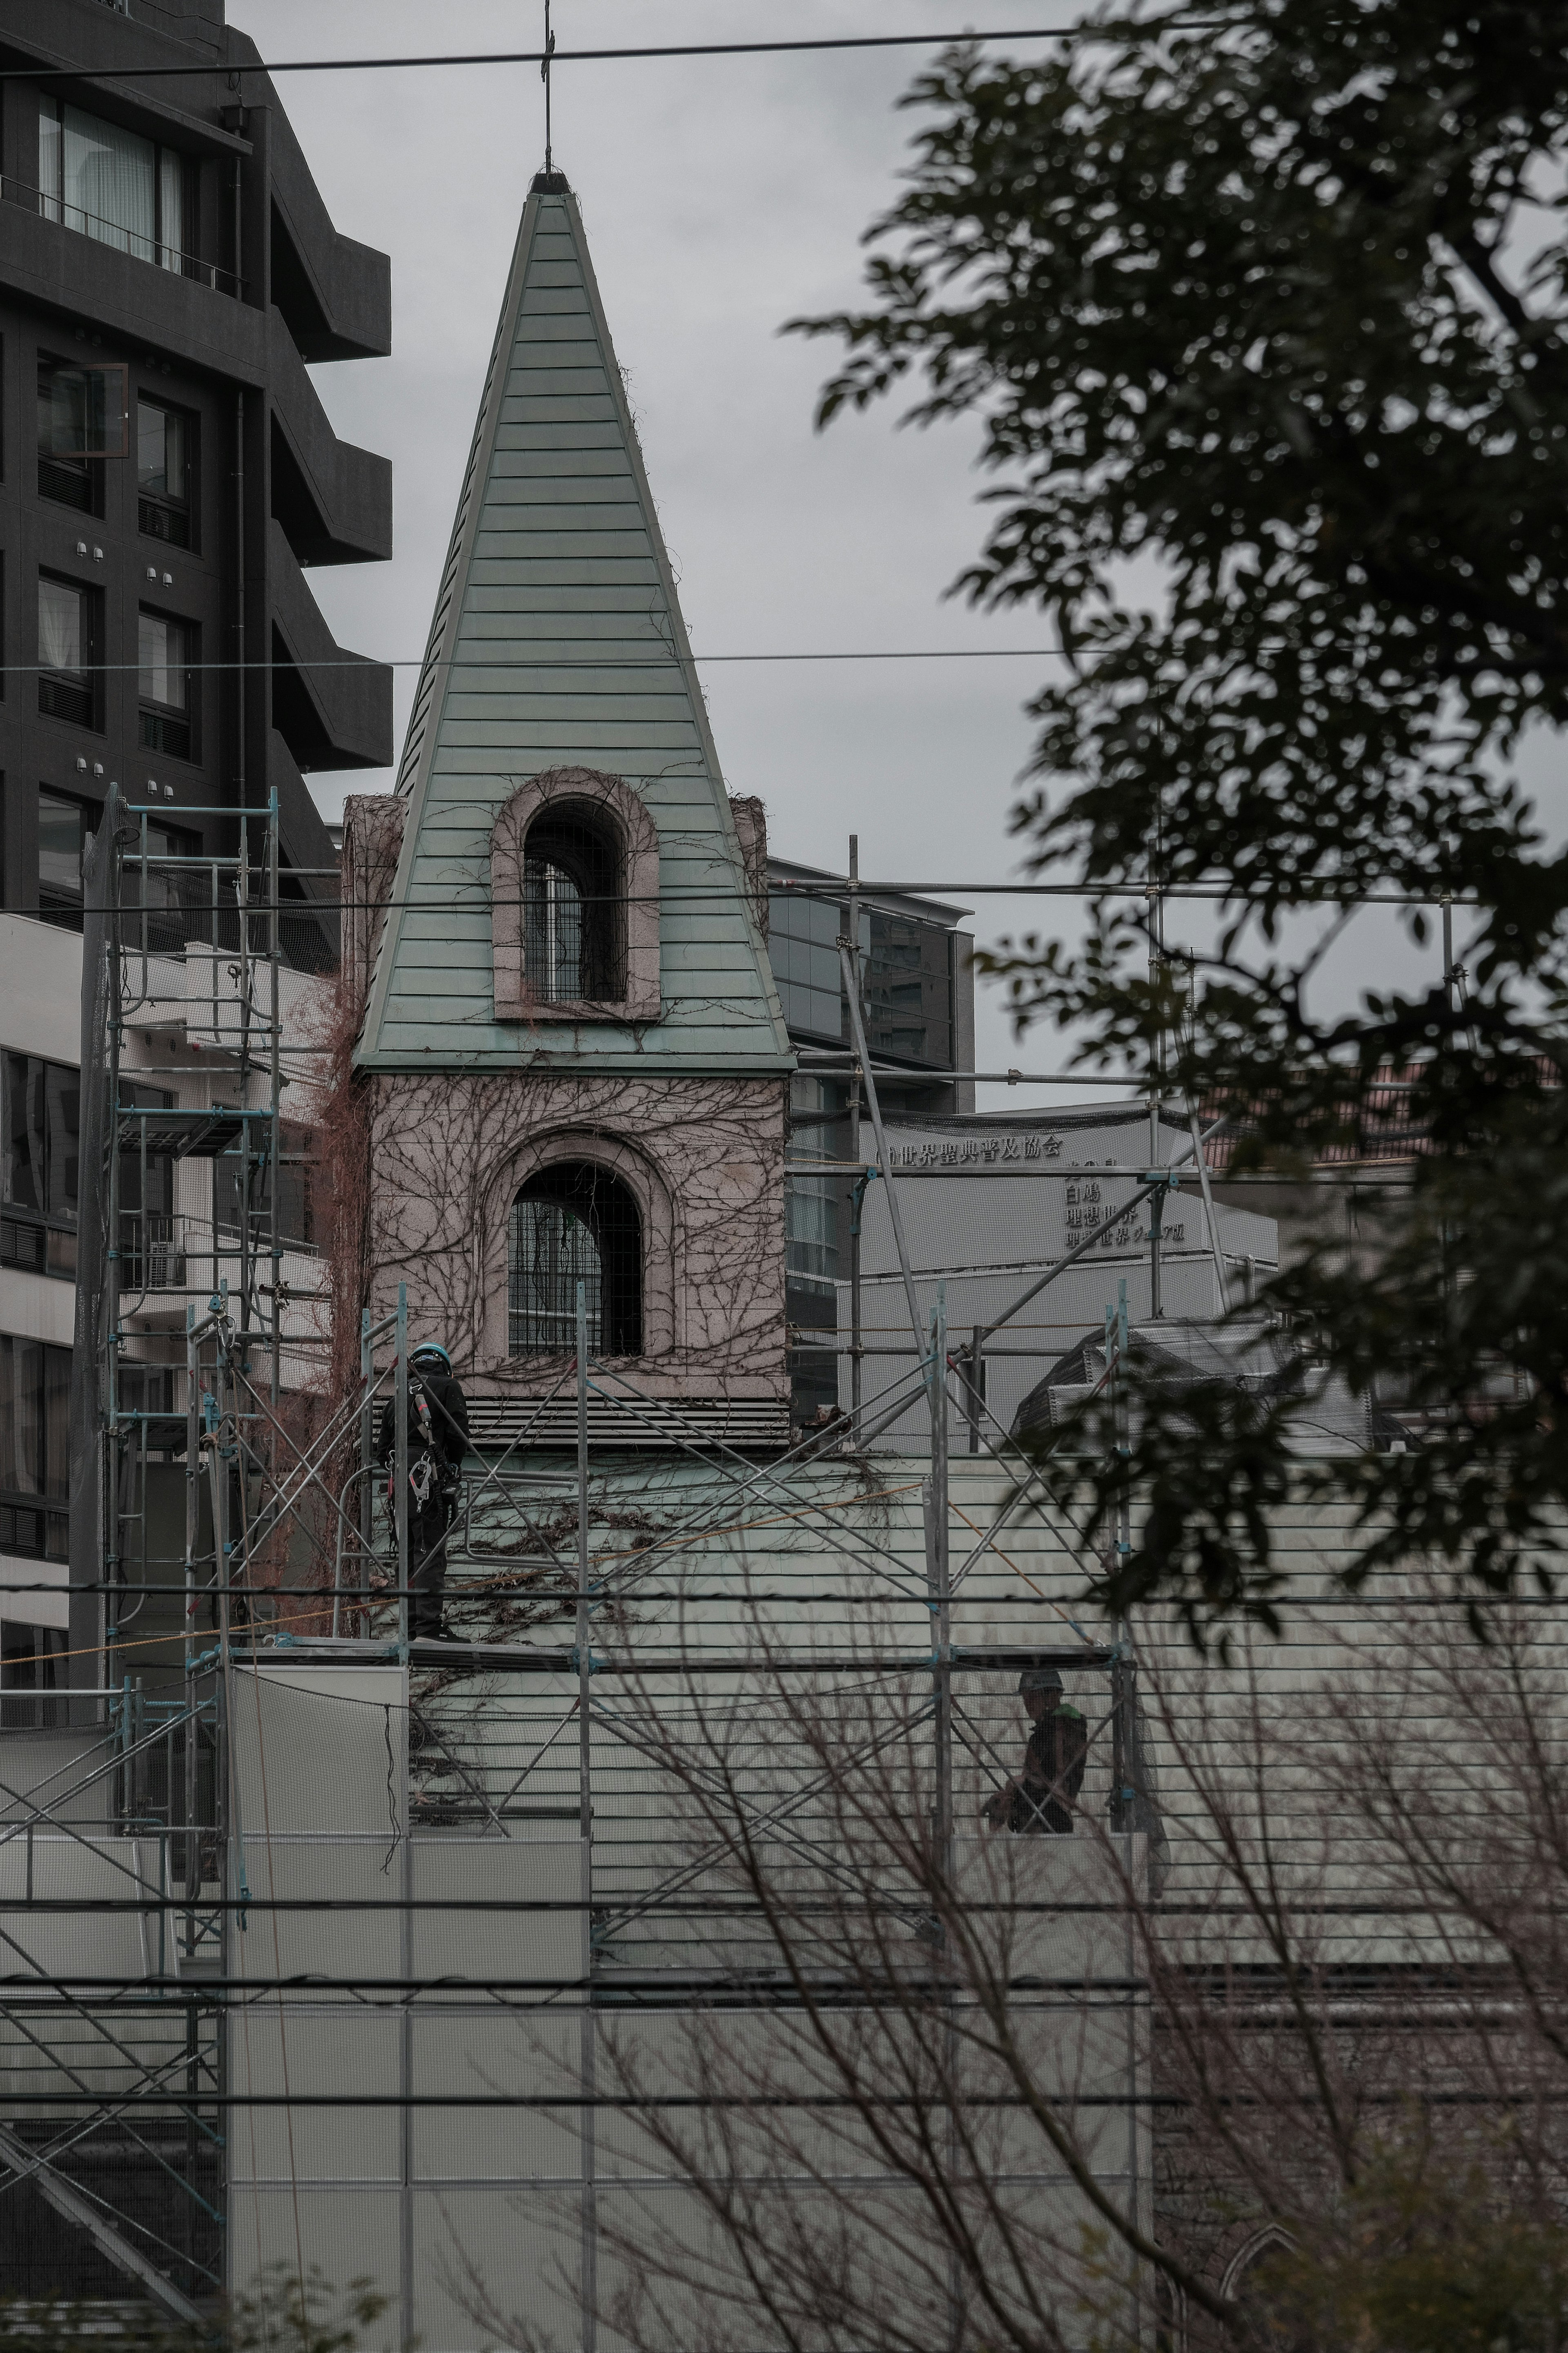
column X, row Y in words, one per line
column 1039, row 1799
column 438, row 1441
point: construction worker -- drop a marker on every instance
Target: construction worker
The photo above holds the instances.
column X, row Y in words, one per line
column 1039, row 1798
column 437, row 1440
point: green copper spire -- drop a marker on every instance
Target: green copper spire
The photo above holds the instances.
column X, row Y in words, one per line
column 557, row 642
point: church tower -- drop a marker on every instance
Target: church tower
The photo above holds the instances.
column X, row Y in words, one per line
column 572, row 1047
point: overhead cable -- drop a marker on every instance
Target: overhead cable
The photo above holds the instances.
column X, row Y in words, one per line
column 579, row 661
column 1107, row 30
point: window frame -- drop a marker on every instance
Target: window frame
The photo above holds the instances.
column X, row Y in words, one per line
column 79, row 469
column 48, row 1502
column 617, row 1320
column 158, row 724
column 54, row 207
column 87, row 679
column 177, row 510
column 610, row 803
column 51, row 1228
column 57, row 906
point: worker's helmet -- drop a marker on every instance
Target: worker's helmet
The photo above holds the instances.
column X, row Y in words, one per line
column 1039, row 1679
column 431, row 1352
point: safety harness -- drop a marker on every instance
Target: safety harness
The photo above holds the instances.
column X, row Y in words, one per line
column 422, row 1471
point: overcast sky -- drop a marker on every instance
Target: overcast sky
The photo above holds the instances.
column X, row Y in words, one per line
column 721, row 196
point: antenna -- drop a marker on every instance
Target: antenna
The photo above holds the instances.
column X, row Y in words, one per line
column 544, row 77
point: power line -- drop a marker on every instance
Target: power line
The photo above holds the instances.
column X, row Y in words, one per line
column 234, row 67
column 572, row 661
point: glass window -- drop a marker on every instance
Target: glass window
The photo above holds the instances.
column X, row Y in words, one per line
column 165, row 441
column 163, row 652
column 49, row 159
column 161, row 452
column 62, row 626
column 803, row 944
column 571, row 912
column 35, row 1447
column 908, row 989
column 27, row 1179
column 111, row 184
column 574, row 1224
column 81, row 416
column 62, row 840
column 171, row 209
column 97, row 178
column 65, row 615
column 42, row 1113
column 81, row 411
column 295, row 1206
column 168, row 887
column 35, row 1418
column 32, row 1664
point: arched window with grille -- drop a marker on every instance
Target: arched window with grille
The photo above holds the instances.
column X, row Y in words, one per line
column 573, row 1223
column 574, row 901
column 570, row 900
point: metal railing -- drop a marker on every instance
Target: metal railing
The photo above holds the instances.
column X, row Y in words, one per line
column 171, row 1250
column 115, row 234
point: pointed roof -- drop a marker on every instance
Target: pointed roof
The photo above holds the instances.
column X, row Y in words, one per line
column 557, row 641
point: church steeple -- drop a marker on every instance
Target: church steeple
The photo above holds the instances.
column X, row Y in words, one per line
column 558, row 647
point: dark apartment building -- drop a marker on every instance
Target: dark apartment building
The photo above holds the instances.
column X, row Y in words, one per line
column 167, row 472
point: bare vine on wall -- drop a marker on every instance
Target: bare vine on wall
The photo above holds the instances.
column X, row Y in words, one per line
column 442, row 1148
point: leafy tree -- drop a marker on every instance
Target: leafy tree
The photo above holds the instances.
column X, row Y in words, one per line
column 1262, row 315
column 1416, row 2258
column 280, row 2311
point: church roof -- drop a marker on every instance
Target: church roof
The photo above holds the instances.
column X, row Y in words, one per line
column 557, row 641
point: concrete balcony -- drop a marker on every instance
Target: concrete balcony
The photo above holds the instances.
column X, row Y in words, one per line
column 171, row 1260
column 332, row 709
column 332, row 499
column 193, row 318
column 335, row 294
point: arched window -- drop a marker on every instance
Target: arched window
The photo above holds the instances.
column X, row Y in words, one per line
column 571, row 900
column 574, row 901
column 573, row 1223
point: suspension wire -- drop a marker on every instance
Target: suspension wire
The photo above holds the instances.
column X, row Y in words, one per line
column 570, row 661
column 823, row 43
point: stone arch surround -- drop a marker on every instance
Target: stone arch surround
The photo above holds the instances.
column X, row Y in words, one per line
column 663, row 1288
column 612, row 799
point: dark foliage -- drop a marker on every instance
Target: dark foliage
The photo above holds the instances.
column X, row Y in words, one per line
column 1268, row 315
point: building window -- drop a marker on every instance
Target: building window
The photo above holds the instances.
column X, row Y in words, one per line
column 573, row 1223
column 81, row 419
column 574, row 903
column 811, row 1203
column 40, row 1117
column 66, row 617
column 165, row 453
column 908, row 990
column 32, row 1667
column 35, row 1448
column 232, row 1171
column 163, row 902
column 150, row 1257
column 571, row 910
column 62, row 841
column 111, row 184
column 802, row 948
column 164, row 654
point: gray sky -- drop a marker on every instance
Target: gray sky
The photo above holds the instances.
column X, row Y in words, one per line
column 721, row 196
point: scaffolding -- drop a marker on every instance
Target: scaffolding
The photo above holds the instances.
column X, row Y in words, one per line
column 310, row 1878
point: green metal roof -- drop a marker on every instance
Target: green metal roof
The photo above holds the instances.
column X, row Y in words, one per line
column 557, row 641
